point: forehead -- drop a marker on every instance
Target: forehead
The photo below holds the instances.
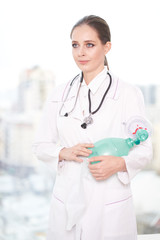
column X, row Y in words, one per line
column 83, row 33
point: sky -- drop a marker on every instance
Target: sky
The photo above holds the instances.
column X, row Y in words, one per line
column 37, row 32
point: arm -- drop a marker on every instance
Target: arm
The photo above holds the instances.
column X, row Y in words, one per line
column 107, row 166
column 142, row 154
column 127, row 166
column 46, row 146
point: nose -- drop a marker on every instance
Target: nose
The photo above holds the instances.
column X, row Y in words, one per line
column 81, row 51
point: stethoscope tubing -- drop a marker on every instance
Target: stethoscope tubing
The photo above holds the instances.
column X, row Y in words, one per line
column 70, row 86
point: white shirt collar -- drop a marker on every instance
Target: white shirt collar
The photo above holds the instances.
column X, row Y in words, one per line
column 97, row 81
column 94, row 85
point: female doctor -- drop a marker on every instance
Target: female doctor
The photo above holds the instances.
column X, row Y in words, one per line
column 91, row 201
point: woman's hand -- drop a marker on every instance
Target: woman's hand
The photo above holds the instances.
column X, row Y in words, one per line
column 107, row 166
column 74, row 153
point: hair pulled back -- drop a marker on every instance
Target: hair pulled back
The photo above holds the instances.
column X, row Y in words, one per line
column 100, row 26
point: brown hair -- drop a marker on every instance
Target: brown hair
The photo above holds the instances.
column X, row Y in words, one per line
column 101, row 27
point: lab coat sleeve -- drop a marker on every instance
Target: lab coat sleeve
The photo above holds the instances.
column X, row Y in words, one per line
column 140, row 155
column 46, row 145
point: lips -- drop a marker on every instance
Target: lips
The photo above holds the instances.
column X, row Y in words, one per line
column 83, row 61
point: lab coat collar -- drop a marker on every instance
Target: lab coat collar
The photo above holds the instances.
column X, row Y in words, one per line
column 61, row 91
column 95, row 84
column 97, row 81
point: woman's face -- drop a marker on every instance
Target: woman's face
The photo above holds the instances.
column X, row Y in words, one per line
column 87, row 49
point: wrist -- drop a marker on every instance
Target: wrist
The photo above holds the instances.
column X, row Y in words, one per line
column 61, row 157
column 122, row 165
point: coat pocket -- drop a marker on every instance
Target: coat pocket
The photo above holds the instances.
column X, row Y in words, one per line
column 119, row 220
column 57, row 216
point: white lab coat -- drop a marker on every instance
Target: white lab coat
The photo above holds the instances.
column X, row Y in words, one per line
column 81, row 207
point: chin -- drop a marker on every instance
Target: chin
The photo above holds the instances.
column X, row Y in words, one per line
column 84, row 68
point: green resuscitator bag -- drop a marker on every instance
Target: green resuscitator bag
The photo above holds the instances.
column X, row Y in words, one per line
column 137, row 127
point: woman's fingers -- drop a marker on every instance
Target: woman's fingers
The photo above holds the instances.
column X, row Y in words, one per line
column 74, row 153
column 95, row 159
column 86, row 145
column 82, row 149
column 107, row 166
column 77, row 159
column 82, row 153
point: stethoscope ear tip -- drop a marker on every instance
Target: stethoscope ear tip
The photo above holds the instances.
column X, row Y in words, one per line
column 66, row 115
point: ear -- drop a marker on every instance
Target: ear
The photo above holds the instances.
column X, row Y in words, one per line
column 107, row 47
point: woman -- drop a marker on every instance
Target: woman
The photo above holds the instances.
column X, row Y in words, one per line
column 91, row 201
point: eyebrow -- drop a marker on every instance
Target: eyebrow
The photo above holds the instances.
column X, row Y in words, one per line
column 84, row 41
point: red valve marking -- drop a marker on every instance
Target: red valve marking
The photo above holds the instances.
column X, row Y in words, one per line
column 138, row 129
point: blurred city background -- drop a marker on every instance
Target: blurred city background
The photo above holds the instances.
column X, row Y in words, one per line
column 26, row 184
column 35, row 56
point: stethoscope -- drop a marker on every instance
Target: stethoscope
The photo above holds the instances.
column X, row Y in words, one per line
column 88, row 120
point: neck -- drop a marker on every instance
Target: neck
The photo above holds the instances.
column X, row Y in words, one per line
column 89, row 76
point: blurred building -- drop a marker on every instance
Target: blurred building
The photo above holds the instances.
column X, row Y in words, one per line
column 1, row 137
column 151, row 95
column 20, row 123
column 34, row 86
column 18, row 134
column 152, row 101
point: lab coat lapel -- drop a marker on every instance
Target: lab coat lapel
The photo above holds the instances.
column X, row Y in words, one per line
column 114, row 91
column 71, row 104
column 98, row 82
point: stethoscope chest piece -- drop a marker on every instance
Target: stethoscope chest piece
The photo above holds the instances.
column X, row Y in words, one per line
column 88, row 120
